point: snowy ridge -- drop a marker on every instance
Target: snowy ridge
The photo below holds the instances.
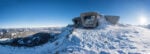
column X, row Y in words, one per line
column 107, row 40
column 48, row 48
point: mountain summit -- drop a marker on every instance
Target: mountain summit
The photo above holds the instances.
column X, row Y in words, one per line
column 118, row 39
column 107, row 36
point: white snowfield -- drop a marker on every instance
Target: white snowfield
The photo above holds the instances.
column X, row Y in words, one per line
column 114, row 40
column 109, row 40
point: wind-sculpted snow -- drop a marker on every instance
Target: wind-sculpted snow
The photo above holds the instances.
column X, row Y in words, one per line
column 106, row 40
column 114, row 39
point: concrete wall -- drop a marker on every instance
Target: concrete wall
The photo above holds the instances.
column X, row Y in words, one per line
column 112, row 19
column 91, row 21
column 77, row 22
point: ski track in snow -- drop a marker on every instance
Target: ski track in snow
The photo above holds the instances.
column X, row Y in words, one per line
column 108, row 40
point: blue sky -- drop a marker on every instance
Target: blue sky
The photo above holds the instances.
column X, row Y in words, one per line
column 39, row 13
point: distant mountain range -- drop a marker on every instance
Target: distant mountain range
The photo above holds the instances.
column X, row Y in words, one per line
column 23, row 32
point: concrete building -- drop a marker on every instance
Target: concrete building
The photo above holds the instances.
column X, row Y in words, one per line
column 112, row 19
column 91, row 20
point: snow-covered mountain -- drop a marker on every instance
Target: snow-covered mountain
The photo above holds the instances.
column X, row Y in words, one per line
column 111, row 39
column 24, row 32
column 146, row 26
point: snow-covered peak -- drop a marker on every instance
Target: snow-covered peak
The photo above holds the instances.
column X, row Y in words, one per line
column 113, row 39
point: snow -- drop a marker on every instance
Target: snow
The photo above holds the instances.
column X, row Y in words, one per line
column 114, row 38
column 110, row 39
